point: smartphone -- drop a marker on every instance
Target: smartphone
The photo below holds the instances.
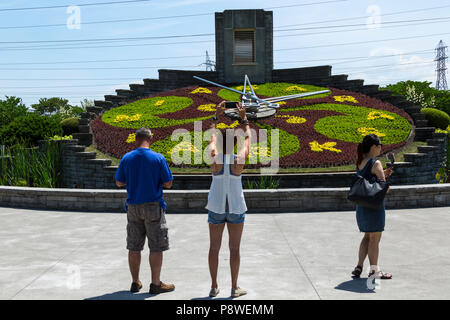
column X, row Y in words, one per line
column 230, row 104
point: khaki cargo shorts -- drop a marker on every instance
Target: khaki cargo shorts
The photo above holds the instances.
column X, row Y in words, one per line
column 147, row 220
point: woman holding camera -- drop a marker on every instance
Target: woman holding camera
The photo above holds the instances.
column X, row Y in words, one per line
column 370, row 221
column 226, row 191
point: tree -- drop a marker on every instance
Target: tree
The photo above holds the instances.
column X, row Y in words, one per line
column 422, row 94
column 11, row 108
column 57, row 106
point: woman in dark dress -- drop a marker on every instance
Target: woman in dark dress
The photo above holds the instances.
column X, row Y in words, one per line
column 370, row 221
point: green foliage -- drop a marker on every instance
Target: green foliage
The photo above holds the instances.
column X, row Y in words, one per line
column 265, row 182
column 29, row 129
column 347, row 127
column 436, row 118
column 146, row 112
column 70, row 126
column 274, row 90
column 32, row 167
column 58, row 106
column 11, row 108
column 441, row 98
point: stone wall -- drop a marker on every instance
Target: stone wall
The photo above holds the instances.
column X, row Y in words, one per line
column 194, row 201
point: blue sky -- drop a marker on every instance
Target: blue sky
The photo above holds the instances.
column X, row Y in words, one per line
column 406, row 58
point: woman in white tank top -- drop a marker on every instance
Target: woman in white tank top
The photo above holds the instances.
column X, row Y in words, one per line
column 226, row 193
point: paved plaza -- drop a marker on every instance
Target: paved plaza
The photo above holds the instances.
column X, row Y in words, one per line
column 82, row 255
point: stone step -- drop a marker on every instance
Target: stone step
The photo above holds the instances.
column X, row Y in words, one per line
column 76, row 148
column 426, row 149
column 102, row 162
column 83, row 121
column 84, row 139
column 84, row 128
column 152, row 82
column 421, row 123
column 141, row 89
column 87, row 155
column 404, row 104
column 383, row 94
column 338, row 78
column 126, row 93
column 369, row 88
column 422, row 134
column 399, row 164
column 413, row 157
column 115, row 98
column 95, row 110
column 412, row 110
column 418, row 116
column 435, row 142
column 395, row 100
column 103, row 104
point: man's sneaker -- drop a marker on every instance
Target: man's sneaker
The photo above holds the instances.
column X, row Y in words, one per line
column 237, row 292
column 135, row 287
column 161, row 288
column 214, row 292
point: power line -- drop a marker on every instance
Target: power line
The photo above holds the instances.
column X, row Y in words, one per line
column 97, row 61
column 204, row 34
column 68, row 5
column 160, row 18
column 351, row 59
column 363, row 42
column 212, row 13
column 101, row 68
column 363, row 17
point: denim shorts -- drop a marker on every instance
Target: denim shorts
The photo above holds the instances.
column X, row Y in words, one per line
column 219, row 218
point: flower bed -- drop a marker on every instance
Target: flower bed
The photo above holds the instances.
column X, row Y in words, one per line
column 316, row 131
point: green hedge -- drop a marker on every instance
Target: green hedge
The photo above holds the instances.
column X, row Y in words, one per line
column 436, row 118
column 29, row 129
column 70, row 126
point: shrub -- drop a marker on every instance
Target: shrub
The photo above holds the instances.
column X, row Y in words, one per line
column 11, row 108
column 436, row 118
column 29, row 129
column 70, row 126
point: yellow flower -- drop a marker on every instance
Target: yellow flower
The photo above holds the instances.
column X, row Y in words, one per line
column 159, row 103
column 121, row 117
column 293, row 119
column 207, row 107
column 183, row 146
column 378, row 114
column 124, row 117
column 201, row 90
column 225, row 126
column 256, row 150
column 365, row 131
column 281, row 103
column 131, row 138
column 345, row 98
column 295, row 88
column 316, row 147
column 240, row 88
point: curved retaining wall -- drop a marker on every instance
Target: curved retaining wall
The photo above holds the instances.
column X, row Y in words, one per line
column 194, row 201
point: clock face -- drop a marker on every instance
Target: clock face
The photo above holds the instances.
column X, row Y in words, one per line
column 316, row 131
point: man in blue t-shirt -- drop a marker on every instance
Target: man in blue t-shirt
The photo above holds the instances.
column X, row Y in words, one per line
column 144, row 173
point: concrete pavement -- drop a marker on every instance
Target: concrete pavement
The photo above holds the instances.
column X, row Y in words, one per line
column 78, row 255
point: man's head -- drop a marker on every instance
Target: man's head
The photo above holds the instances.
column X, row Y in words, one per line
column 143, row 137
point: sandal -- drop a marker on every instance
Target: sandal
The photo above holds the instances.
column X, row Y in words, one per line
column 357, row 271
column 381, row 275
